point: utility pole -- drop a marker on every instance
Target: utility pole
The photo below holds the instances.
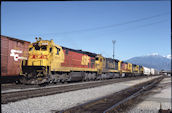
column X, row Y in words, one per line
column 113, row 41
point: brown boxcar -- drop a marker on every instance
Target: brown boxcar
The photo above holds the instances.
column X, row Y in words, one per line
column 12, row 52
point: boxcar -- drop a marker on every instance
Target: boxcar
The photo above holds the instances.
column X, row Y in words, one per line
column 153, row 71
column 146, row 71
column 12, row 52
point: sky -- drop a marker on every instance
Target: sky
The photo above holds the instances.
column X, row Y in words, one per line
column 139, row 27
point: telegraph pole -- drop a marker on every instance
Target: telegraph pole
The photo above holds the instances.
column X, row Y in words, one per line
column 113, row 41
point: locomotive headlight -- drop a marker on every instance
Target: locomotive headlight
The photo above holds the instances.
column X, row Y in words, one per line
column 44, row 43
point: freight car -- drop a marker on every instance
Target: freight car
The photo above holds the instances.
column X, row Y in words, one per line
column 153, row 71
column 12, row 52
column 146, row 71
column 150, row 71
column 48, row 62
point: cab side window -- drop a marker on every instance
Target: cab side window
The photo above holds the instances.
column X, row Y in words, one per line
column 58, row 50
column 50, row 49
column 30, row 49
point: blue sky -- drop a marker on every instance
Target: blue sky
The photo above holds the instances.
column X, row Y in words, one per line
column 139, row 27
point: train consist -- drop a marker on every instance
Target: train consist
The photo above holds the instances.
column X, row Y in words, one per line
column 48, row 62
column 44, row 61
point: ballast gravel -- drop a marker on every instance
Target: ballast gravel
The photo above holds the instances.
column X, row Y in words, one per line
column 59, row 85
column 161, row 97
column 48, row 104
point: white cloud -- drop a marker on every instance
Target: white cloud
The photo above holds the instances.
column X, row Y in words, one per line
column 154, row 54
column 168, row 56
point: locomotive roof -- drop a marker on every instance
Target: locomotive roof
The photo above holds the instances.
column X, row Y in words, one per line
column 112, row 59
column 124, row 62
column 80, row 51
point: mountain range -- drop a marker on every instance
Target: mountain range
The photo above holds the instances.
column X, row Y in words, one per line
column 153, row 61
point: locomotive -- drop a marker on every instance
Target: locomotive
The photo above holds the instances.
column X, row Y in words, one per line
column 50, row 63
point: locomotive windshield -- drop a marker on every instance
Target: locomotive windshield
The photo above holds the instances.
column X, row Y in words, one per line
column 37, row 47
column 97, row 58
column 42, row 47
column 30, row 49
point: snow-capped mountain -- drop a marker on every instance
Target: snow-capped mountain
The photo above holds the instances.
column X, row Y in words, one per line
column 168, row 56
column 153, row 61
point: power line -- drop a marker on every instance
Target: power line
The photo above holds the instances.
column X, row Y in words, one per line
column 145, row 25
column 105, row 27
column 115, row 25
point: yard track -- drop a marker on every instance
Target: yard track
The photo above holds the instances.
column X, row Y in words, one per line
column 112, row 103
column 44, row 91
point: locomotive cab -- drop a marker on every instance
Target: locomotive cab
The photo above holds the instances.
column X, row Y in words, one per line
column 141, row 70
column 40, row 61
column 99, row 63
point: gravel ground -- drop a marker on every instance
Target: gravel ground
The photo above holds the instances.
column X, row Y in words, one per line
column 151, row 104
column 47, row 104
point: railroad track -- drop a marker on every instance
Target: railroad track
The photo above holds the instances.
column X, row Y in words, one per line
column 112, row 103
column 44, row 91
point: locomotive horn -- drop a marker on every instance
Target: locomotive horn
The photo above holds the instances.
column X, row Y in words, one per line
column 39, row 38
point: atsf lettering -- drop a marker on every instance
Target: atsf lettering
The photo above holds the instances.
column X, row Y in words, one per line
column 39, row 57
